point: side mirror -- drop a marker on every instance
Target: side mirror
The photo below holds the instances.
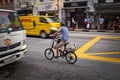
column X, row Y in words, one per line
column 34, row 24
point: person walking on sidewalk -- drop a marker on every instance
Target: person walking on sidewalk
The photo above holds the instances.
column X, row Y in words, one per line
column 101, row 22
column 89, row 22
column 86, row 22
column 73, row 24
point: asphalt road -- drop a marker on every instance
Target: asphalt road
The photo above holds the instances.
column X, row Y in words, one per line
column 98, row 59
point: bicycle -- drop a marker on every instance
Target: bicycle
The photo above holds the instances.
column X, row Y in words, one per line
column 67, row 53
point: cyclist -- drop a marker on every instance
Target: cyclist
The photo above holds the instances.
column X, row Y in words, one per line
column 65, row 37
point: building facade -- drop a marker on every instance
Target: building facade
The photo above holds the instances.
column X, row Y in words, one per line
column 66, row 9
column 79, row 10
column 109, row 9
column 39, row 7
column 23, row 7
column 6, row 4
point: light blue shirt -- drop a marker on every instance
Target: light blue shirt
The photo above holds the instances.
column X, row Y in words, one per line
column 101, row 20
column 65, row 33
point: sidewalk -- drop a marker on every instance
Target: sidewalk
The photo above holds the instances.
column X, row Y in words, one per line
column 93, row 33
column 91, row 30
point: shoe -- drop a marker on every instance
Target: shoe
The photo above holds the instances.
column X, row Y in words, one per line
column 56, row 57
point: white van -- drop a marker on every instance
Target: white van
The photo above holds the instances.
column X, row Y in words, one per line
column 12, row 37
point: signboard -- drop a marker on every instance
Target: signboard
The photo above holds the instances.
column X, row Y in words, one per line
column 75, row 4
column 47, row 7
column 107, row 5
column 23, row 5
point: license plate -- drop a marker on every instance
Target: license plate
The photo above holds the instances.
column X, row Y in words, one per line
column 10, row 59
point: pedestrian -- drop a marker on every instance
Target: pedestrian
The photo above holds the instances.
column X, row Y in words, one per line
column 86, row 23
column 73, row 24
column 114, row 24
column 89, row 22
column 101, row 22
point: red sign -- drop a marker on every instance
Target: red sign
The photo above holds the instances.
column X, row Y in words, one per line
column 26, row 20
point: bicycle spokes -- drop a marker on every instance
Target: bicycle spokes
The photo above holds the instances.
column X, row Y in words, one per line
column 49, row 54
column 71, row 58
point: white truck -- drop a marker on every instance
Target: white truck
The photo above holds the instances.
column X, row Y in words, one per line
column 12, row 37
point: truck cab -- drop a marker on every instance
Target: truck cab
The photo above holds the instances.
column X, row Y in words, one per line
column 12, row 37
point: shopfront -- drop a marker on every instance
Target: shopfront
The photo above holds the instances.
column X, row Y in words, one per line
column 48, row 9
column 23, row 8
column 76, row 10
column 109, row 11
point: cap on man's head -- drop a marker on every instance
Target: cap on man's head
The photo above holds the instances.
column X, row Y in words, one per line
column 62, row 23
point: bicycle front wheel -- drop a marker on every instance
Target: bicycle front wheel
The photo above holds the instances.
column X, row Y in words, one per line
column 49, row 54
column 71, row 58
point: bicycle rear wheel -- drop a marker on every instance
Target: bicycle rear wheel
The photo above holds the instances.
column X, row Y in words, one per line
column 49, row 54
column 71, row 58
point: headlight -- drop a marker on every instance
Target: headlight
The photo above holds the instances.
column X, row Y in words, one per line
column 24, row 45
column 53, row 28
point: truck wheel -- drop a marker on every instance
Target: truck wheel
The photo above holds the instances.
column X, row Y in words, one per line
column 43, row 34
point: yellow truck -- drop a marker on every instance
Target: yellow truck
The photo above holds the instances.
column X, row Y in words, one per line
column 41, row 26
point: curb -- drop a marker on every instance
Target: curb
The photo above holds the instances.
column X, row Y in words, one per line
column 87, row 30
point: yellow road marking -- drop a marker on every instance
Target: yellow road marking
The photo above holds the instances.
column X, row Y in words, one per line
column 81, row 52
column 110, row 37
column 116, row 39
column 115, row 60
column 99, row 53
column 86, row 46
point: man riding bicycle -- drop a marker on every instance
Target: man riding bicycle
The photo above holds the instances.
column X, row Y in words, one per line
column 65, row 37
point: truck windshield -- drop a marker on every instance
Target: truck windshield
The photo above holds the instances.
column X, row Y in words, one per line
column 9, row 21
column 53, row 19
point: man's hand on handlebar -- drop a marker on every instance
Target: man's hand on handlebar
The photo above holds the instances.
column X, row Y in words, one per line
column 54, row 34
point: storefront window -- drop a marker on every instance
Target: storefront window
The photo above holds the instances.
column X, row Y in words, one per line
column 101, row 1
column 41, row 0
column 6, row 1
column 1, row 1
column 116, row 0
column 11, row 1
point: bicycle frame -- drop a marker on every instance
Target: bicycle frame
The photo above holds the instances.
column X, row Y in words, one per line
column 62, row 51
column 53, row 41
